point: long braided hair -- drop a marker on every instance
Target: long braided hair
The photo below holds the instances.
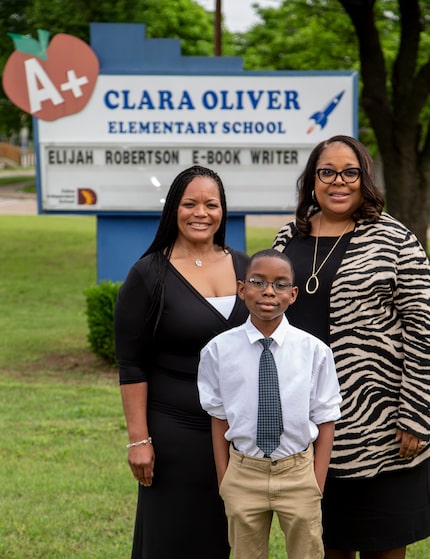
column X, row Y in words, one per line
column 167, row 233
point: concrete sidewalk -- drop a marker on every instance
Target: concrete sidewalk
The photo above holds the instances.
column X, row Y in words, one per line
column 14, row 201
column 17, row 207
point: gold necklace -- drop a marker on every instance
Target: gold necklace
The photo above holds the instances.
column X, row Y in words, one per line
column 198, row 259
column 313, row 276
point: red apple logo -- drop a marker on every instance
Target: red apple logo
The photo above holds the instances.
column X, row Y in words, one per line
column 50, row 82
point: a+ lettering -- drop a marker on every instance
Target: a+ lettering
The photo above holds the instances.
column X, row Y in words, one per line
column 74, row 83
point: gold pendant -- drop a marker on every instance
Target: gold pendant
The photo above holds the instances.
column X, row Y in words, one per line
column 307, row 285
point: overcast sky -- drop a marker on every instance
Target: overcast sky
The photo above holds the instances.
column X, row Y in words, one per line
column 239, row 15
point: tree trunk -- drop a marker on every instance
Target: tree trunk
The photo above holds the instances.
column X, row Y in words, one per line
column 407, row 196
column 396, row 117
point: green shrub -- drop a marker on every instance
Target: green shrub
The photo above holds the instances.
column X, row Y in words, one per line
column 100, row 310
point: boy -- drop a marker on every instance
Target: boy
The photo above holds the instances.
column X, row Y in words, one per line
column 287, row 476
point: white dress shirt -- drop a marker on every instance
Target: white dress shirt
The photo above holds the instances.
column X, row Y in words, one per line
column 308, row 385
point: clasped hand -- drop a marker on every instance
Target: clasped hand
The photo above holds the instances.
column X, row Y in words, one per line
column 410, row 445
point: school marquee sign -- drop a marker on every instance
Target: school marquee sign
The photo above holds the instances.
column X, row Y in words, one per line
column 114, row 142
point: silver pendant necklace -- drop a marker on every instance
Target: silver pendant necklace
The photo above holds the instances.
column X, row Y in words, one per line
column 198, row 259
column 313, row 278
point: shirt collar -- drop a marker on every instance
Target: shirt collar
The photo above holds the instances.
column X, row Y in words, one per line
column 278, row 335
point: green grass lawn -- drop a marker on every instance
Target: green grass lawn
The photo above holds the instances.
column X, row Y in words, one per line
column 66, row 488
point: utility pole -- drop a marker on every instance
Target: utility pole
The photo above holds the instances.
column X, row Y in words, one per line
column 218, row 17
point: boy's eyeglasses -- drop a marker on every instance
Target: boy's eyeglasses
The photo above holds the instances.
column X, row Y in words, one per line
column 278, row 286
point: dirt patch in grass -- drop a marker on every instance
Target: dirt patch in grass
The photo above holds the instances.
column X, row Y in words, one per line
column 84, row 360
column 75, row 366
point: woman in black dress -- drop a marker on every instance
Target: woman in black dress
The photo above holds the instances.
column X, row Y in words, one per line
column 180, row 294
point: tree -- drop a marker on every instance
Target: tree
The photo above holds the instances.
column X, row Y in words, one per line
column 397, row 104
column 12, row 19
column 389, row 41
column 301, row 35
column 181, row 19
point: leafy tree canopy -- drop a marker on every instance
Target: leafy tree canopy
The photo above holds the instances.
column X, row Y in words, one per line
column 388, row 42
column 182, row 19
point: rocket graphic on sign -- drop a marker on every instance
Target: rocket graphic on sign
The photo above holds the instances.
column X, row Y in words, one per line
column 320, row 117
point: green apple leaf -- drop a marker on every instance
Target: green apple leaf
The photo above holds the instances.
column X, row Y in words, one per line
column 28, row 45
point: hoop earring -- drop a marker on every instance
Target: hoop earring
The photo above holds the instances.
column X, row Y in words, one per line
column 313, row 195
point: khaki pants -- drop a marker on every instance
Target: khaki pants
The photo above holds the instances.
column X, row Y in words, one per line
column 254, row 488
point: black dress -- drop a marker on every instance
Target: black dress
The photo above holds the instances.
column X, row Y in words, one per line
column 181, row 514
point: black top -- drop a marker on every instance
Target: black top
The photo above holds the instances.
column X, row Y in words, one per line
column 187, row 323
column 311, row 312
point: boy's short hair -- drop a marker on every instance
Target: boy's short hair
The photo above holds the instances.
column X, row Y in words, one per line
column 270, row 253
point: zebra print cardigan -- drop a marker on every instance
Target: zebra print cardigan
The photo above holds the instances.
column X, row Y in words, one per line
column 380, row 338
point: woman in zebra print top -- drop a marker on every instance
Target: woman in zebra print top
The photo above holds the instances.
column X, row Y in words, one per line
column 364, row 288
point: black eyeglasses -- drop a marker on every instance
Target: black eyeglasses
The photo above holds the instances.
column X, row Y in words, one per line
column 278, row 286
column 348, row 176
